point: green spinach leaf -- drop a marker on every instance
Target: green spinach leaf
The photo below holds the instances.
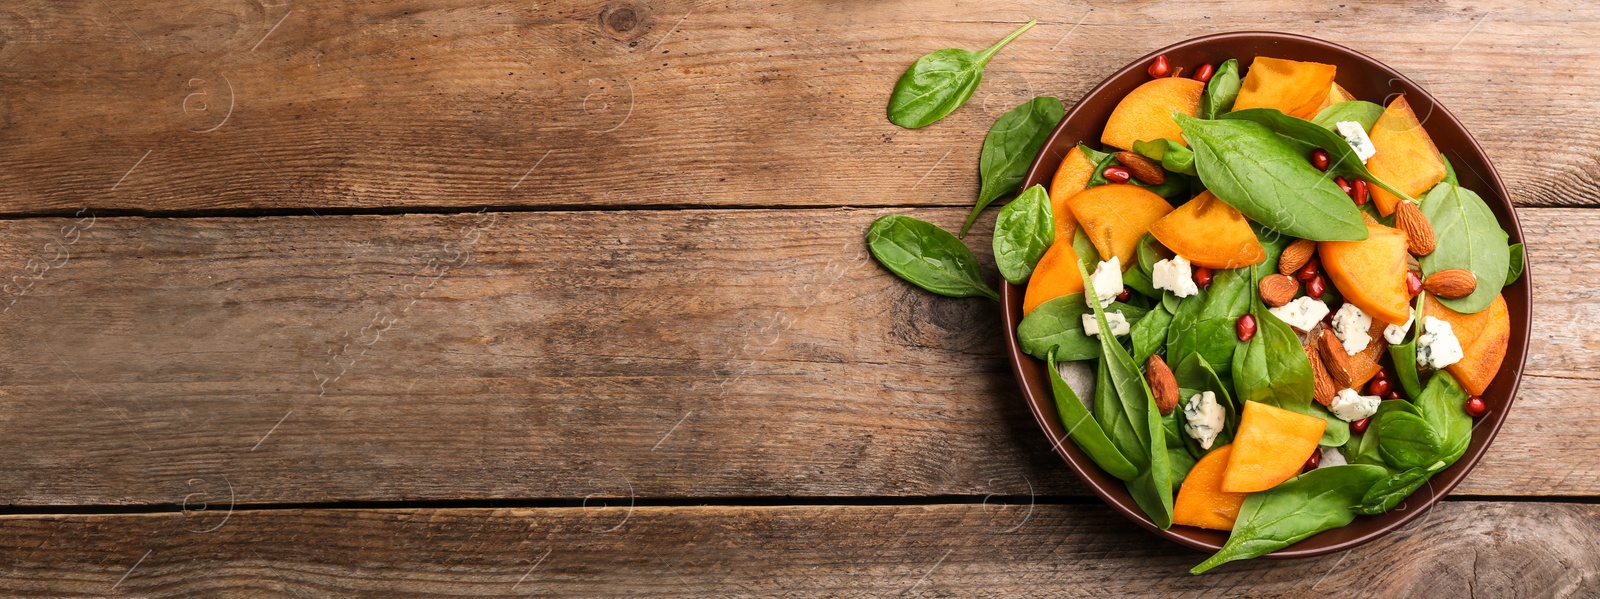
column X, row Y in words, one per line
column 1305, row 505
column 1253, row 169
column 1365, row 113
column 1468, row 237
column 1172, row 156
column 1404, row 355
column 1009, row 148
column 1518, row 258
column 1393, row 489
column 927, row 256
column 1023, row 231
column 1272, row 368
column 1149, row 334
column 1179, row 460
column 1306, row 137
column 1449, row 171
column 1406, row 441
column 1084, row 430
column 1221, row 91
column 940, row 82
column 1058, row 323
column 1337, row 432
column 1204, row 323
column 1195, row 376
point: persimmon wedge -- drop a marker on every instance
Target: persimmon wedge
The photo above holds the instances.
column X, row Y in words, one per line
column 1295, row 87
column 1371, row 273
column 1364, row 365
column 1115, row 216
column 1335, row 95
column 1146, row 112
column 1055, row 275
column 1406, row 157
column 1484, row 337
column 1071, row 177
column 1271, row 446
column 1201, row 501
column 1209, row 233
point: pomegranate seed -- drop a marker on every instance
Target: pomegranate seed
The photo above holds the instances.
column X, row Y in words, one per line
column 1123, row 297
column 1203, row 74
column 1117, row 174
column 1202, row 276
column 1360, row 192
column 1309, row 271
column 1381, row 375
column 1315, row 287
column 1377, row 387
column 1360, row 426
column 1392, row 394
column 1413, row 283
column 1311, row 462
column 1319, row 159
column 1159, row 68
column 1345, row 185
column 1246, row 327
column 1475, row 407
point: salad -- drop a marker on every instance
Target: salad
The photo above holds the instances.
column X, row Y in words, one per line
column 1290, row 305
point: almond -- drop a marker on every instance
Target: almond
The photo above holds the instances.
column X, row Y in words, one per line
column 1277, row 290
column 1162, row 384
column 1334, row 359
column 1324, row 390
column 1451, row 284
column 1143, row 169
column 1419, row 232
column 1296, row 256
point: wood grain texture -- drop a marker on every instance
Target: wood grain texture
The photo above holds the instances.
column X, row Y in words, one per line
column 694, row 353
column 236, row 104
column 1460, row 549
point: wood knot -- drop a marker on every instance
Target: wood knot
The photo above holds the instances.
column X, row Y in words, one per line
column 625, row 22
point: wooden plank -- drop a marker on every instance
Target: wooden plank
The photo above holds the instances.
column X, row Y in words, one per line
column 1459, row 549
column 698, row 353
column 220, row 104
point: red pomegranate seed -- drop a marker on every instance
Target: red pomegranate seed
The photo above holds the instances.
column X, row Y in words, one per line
column 1246, row 327
column 1123, row 297
column 1359, row 426
column 1160, row 68
column 1392, row 394
column 1117, row 174
column 1315, row 287
column 1360, row 192
column 1311, row 462
column 1202, row 276
column 1413, row 283
column 1345, row 185
column 1378, row 386
column 1309, row 271
column 1203, row 74
column 1475, row 407
column 1319, row 159
column 1381, row 374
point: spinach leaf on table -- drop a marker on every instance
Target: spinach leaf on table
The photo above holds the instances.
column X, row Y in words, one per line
column 1221, row 91
column 1170, row 154
column 1009, row 148
column 1248, row 166
column 1305, row 136
column 1058, row 324
column 1362, row 112
column 927, row 256
column 1272, row 368
column 1468, row 237
column 940, row 82
column 1023, row 231
column 1084, row 430
column 1305, row 505
column 1518, row 258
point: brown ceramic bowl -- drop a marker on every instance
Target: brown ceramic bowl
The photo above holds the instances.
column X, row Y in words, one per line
column 1366, row 79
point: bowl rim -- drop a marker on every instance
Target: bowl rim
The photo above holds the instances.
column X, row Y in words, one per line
column 1045, row 162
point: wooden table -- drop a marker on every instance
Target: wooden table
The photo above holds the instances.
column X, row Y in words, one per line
column 517, row 298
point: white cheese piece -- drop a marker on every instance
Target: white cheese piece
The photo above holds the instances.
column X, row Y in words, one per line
column 1350, row 406
column 1354, row 133
column 1174, row 275
column 1396, row 335
column 1438, row 346
column 1331, row 456
column 1350, row 324
column 1107, row 280
column 1203, row 418
column 1302, row 313
column 1118, row 322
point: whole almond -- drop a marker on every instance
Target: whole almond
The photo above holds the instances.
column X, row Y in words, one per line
column 1451, row 284
column 1324, row 390
column 1162, row 384
column 1419, row 232
column 1296, row 256
column 1143, row 169
column 1277, row 290
column 1334, row 359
